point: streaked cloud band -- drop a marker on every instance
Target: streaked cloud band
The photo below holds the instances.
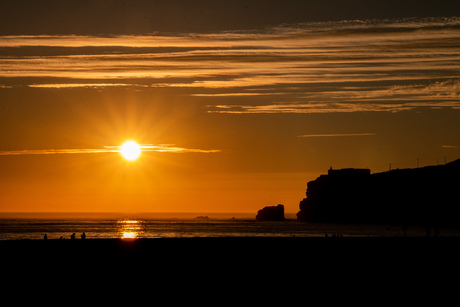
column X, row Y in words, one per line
column 164, row 148
column 335, row 135
column 341, row 66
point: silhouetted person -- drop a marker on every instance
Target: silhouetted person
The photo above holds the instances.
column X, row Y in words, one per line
column 83, row 236
column 72, row 236
column 45, row 237
column 428, row 231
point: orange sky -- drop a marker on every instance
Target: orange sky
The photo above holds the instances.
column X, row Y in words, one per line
column 233, row 114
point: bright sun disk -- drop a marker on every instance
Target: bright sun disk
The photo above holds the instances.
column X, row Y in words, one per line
column 130, row 150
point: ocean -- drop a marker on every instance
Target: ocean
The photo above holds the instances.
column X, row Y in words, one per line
column 109, row 226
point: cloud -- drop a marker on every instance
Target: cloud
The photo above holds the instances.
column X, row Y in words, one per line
column 309, row 108
column 79, row 85
column 54, row 151
column 317, row 67
column 173, row 149
column 445, row 90
column 164, row 148
column 335, row 135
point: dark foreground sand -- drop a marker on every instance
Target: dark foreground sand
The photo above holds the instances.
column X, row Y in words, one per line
column 268, row 252
column 234, row 267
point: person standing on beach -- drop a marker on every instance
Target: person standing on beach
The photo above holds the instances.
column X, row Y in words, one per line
column 72, row 236
column 83, row 236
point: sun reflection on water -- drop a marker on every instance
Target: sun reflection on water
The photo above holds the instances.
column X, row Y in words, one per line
column 129, row 235
column 129, row 229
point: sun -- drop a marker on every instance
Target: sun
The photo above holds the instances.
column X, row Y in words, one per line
column 130, row 150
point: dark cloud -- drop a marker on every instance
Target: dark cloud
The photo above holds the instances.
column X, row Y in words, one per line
column 93, row 17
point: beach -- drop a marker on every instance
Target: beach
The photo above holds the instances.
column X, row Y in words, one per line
column 235, row 268
column 266, row 253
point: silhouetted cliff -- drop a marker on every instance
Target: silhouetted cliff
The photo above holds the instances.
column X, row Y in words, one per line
column 428, row 195
column 271, row 213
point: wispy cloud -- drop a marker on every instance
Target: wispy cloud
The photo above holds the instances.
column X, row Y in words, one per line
column 312, row 108
column 80, row 85
column 174, row 149
column 164, row 148
column 54, row 151
column 335, row 135
column 341, row 66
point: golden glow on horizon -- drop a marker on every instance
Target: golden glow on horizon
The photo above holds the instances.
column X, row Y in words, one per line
column 130, row 150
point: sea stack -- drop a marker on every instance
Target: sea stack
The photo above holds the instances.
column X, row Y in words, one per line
column 271, row 213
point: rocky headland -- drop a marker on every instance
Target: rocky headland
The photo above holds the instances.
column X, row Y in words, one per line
column 428, row 195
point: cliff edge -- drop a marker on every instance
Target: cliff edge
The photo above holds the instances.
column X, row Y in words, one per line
column 428, row 195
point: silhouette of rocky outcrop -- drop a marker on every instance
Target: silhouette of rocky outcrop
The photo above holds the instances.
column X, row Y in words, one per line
column 428, row 196
column 271, row 213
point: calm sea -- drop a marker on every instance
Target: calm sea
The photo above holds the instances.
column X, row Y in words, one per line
column 34, row 227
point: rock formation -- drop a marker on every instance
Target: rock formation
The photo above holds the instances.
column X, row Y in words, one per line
column 271, row 213
column 428, row 196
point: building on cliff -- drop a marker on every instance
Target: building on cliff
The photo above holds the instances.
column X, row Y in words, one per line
column 428, row 195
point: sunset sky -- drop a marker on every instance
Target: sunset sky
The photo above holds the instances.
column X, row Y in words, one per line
column 236, row 104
